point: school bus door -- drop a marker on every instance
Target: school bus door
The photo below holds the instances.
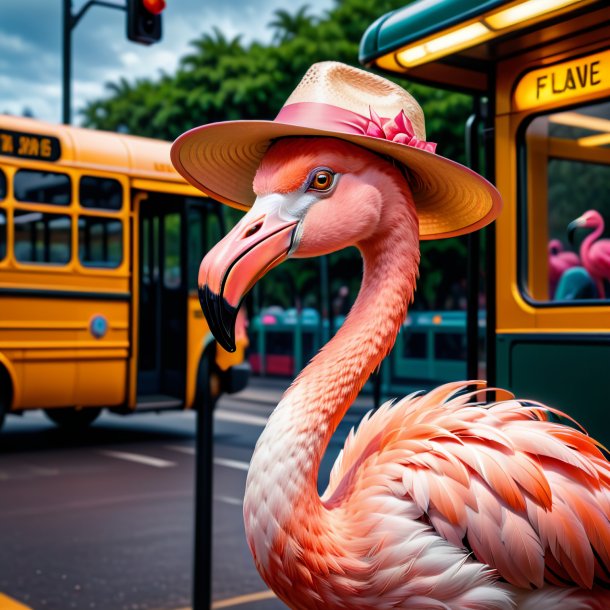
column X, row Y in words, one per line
column 162, row 301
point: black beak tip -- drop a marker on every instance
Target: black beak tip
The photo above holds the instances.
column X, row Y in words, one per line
column 572, row 229
column 221, row 317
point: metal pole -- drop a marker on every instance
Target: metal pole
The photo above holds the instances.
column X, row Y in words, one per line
column 67, row 62
column 488, row 114
column 204, row 472
column 70, row 21
column 474, row 254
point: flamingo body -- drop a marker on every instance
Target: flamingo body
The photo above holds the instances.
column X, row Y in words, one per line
column 436, row 501
column 595, row 252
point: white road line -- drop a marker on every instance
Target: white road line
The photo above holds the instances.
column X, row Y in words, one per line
column 181, row 449
column 228, row 463
column 232, row 464
column 229, row 500
column 138, row 458
column 241, row 418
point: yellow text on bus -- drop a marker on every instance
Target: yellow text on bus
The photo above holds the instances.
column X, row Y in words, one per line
column 564, row 81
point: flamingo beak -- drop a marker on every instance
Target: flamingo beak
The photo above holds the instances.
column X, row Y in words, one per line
column 259, row 242
column 575, row 224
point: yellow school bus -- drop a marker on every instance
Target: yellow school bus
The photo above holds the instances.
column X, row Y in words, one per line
column 100, row 243
column 540, row 76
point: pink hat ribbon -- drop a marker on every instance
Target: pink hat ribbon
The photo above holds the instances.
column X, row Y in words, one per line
column 332, row 118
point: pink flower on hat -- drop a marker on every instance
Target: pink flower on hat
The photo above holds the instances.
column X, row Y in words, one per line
column 399, row 130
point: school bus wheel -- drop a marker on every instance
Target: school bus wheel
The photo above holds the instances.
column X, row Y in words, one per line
column 71, row 418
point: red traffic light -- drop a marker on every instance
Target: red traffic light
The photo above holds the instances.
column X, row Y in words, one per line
column 144, row 20
column 154, row 6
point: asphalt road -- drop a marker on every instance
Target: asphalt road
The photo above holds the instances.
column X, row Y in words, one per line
column 104, row 520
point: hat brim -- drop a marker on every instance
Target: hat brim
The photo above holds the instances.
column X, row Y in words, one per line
column 221, row 159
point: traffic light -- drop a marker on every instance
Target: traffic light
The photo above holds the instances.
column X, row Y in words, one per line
column 144, row 20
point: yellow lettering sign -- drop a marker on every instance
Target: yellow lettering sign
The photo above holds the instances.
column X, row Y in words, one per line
column 6, row 143
column 29, row 145
column 163, row 167
column 565, row 81
column 45, row 148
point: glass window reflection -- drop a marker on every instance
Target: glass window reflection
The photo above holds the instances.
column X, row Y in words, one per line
column 567, row 219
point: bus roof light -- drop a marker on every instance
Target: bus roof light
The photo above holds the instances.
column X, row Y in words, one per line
column 466, row 36
column 600, row 139
column 456, row 39
column 523, row 11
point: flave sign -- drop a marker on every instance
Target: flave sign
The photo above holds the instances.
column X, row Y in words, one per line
column 29, row 145
column 564, row 81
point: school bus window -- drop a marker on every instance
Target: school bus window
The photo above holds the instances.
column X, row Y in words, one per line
column 42, row 238
column 2, row 234
column 214, row 230
column 2, row 185
column 100, row 193
column 100, row 242
column 195, row 244
column 42, row 187
column 172, row 274
column 568, row 185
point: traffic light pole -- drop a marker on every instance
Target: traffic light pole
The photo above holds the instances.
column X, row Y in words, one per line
column 70, row 21
column 204, row 477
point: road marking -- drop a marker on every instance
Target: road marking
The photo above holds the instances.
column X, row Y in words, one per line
column 229, row 500
column 242, row 599
column 182, row 449
column 241, row 418
column 138, row 458
column 218, row 461
column 8, row 603
column 232, row 464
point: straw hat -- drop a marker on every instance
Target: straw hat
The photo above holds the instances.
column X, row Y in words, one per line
column 341, row 101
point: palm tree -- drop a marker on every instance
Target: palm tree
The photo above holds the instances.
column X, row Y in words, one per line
column 289, row 26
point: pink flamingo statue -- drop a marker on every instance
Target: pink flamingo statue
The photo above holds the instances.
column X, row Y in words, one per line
column 437, row 501
column 594, row 252
column 560, row 260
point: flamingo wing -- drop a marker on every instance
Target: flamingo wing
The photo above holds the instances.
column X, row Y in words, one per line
column 599, row 257
column 529, row 496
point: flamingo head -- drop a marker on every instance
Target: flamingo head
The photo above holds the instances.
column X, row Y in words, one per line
column 591, row 219
column 555, row 246
column 313, row 196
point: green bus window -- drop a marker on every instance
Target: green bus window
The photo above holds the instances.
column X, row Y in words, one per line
column 42, row 187
column 100, row 242
column 2, row 234
column 100, row 193
column 172, row 264
column 42, row 238
column 2, row 185
column 567, row 168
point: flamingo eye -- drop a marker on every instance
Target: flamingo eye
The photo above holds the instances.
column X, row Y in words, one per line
column 321, row 180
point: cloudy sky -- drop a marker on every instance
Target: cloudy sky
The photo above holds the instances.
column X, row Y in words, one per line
column 30, row 46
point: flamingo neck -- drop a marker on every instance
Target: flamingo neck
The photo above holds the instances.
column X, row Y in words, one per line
column 589, row 241
column 585, row 257
column 284, row 468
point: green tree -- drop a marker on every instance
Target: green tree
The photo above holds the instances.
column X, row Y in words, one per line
column 287, row 26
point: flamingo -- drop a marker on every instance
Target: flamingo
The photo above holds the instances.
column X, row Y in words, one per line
column 560, row 260
column 436, row 501
column 594, row 252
